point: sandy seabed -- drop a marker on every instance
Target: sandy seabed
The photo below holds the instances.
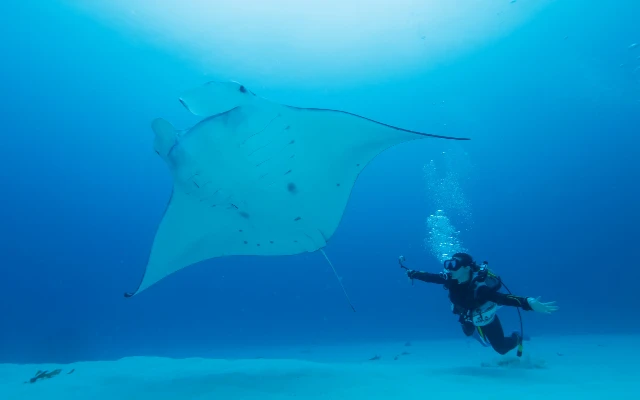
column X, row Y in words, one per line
column 567, row 367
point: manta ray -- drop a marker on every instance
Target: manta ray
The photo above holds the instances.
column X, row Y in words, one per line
column 256, row 177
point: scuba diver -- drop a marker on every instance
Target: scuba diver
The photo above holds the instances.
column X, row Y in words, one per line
column 473, row 292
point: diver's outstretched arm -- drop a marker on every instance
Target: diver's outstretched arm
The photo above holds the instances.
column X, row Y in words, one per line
column 526, row 303
column 426, row 277
column 504, row 299
column 421, row 276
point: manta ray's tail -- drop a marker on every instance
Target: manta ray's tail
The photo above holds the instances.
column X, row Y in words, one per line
column 339, row 280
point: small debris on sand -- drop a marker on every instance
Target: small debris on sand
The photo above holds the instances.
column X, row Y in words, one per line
column 41, row 375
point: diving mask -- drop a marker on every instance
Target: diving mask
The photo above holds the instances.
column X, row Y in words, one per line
column 453, row 265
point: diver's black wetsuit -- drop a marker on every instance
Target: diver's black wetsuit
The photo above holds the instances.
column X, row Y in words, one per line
column 463, row 298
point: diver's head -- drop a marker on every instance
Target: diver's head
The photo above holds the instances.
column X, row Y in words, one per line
column 459, row 267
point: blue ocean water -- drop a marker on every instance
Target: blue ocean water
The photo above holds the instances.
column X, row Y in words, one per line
column 545, row 190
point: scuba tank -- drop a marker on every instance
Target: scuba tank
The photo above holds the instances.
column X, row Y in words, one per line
column 494, row 279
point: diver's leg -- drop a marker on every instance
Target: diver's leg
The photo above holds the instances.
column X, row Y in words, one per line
column 468, row 327
column 470, row 330
column 494, row 333
column 478, row 334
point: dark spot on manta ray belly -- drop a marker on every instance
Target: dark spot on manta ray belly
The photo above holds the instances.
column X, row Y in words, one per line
column 245, row 215
column 243, row 89
column 291, row 187
column 297, row 219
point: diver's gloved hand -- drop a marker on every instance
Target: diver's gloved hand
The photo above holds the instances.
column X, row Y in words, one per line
column 537, row 306
column 411, row 273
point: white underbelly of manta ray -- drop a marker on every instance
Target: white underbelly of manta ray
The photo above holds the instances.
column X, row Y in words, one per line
column 256, row 177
